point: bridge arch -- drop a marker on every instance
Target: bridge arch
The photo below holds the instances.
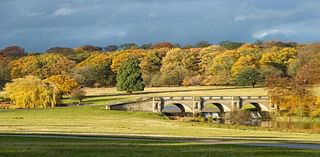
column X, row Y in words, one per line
column 221, row 107
column 259, row 107
column 182, row 107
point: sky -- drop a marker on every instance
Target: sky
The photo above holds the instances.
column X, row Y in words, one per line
column 38, row 25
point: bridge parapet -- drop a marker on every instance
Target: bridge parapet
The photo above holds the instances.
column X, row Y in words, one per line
column 195, row 103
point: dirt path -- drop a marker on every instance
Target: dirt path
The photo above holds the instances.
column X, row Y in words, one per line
column 171, row 139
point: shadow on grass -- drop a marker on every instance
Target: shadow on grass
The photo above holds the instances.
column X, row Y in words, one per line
column 66, row 145
column 138, row 137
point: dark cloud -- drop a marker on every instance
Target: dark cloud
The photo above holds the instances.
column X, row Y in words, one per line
column 41, row 24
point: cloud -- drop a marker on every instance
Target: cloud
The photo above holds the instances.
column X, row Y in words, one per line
column 264, row 33
column 27, row 13
column 64, row 10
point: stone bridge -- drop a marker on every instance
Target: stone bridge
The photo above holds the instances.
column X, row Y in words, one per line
column 198, row 104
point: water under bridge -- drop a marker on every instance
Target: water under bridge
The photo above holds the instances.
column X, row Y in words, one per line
column 196, row 104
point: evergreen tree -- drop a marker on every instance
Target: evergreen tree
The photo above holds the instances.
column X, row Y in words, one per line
column 129, row 76
column 249, row 76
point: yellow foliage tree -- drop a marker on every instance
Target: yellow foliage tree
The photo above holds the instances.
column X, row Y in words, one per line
column 243, row 63
column 64, row 83
column 221, row 67
column 28, row 65
column 122, row 56
column 32, row 92
column 279, row 58
column 42, row 66
column 207, row 55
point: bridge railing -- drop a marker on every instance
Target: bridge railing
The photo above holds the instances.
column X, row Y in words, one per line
column 210, row 97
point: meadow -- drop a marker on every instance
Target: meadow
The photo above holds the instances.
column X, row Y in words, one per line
column 95, row 120
column 64, row 147
column 100, row 96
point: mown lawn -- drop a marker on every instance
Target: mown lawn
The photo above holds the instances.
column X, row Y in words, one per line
column 97, row 120
column 48, row 147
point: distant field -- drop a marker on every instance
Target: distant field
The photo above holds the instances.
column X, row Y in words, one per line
column 101, row 96
column 60, row 147
column 105, row 95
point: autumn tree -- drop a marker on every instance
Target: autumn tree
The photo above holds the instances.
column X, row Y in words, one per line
column 221, row 67
column 78, row 94
column 164, row 44
column 202, row 44
column 150, row 65
column 173, row 69
column 61, row 50
column 127, row 46
column 271, row 43
column 245, row 62
column 121, row 56
column 292, row 95
column 279, row 58
column 43, row 66
column 146, row 46
column 230, row 45
column 55, row 64
column 207, row 55
column 28, row 65
column 4, row 71
column 13, row 52
column 90, row 48
column 95, row 70
column 32, row 92
column 129, row 76
column 250, row 50
column 110, row 48
column 64, row 83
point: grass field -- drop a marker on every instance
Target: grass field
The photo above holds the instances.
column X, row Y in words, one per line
column 47, row 147
column 105, row 95
column 97, row 120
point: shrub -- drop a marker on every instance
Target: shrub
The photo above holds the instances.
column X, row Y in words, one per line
column 78, row 94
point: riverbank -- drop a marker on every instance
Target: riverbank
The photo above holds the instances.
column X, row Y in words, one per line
column 297, row 119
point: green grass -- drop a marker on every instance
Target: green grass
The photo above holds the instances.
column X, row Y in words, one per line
column 47, row 147
column 97, row 120
column 102, row 96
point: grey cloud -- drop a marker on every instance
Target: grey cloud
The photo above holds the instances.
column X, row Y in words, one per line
column 41, row 24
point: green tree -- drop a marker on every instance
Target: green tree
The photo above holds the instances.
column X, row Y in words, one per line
column 32, row 92
column 129, row 76
column 249, row 76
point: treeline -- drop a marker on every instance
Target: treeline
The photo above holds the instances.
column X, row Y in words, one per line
column 162, row 64
column 288, row 69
